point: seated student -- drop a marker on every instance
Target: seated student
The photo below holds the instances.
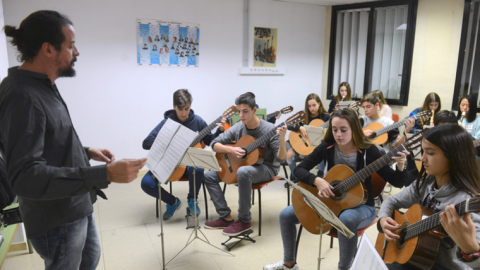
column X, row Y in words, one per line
column 183, row 114
column 448, row 177
column 344, row 93
column 432, row 103
column 275, row 152
column 384, row 108
column 371, row 105
column 315, row 110
column 470, row 121
column 344, row 143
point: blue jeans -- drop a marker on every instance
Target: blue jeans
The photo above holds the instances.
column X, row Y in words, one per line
column 150, row 185
column 73, row 245
column 354, row 218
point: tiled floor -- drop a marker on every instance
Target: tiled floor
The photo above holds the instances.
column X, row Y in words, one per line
column 129, row 233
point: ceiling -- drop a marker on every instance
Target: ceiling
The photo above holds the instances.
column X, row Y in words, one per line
column 326, row 2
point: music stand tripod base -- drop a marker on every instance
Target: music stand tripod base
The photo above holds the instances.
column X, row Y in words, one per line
column 191, row 220
column 242, row 236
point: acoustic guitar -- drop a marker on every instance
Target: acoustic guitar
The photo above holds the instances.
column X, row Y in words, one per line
column 420, row 235
column 301, row 144
column 285, row 110
column 349, row 188
column 180, row 171
column 230, row 163
column 380, row 136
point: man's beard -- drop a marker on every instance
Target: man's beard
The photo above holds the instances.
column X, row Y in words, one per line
column 69, row 71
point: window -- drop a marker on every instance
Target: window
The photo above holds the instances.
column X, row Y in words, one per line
column 468, row 60
column 371, row 48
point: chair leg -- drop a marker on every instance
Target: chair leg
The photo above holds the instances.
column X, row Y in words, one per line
column 171, row 188
column 288, row 194
column 259, row 212
column 157, row 207
column 331, row 242
column 253, row 197
column 285, row 171
column 298, row 240
column 224, row 188
column 206, row 200
column 381, row 198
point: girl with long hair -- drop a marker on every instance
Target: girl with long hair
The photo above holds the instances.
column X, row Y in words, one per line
column 467, row 115
column 314, row 110
column 344, row 93
column 384, row 108
column 448, row 177
column 344, row 143
column 432, row 103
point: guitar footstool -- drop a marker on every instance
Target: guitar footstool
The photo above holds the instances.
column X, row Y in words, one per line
column 243, row 236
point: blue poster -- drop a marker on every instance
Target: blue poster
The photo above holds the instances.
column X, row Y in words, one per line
column 167, row 44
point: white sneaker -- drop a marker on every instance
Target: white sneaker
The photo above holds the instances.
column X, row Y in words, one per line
column 280, row 266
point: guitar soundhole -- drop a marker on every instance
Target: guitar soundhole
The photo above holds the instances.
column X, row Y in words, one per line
column 400, row 243
column 338, row 195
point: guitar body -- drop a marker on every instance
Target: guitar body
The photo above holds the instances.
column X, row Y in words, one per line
column 418, row 252
column 180, row 171
column 379, row 140
column 356, row 195
column 230, row 163
column 300, row 143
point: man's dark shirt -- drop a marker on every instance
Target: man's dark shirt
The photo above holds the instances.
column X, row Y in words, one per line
column 48, row 168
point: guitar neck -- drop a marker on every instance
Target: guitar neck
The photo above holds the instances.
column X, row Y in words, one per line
column 206, row 131
column 393, row 126
column 430, row 223
column 325, row 125
column 262, row 139
column 361, row 175
column 273, row 114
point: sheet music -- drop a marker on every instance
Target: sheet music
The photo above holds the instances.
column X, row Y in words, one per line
column 168, row 149
column 367, row 257
column 315, row 135
column 322, row 210
column 201, row 158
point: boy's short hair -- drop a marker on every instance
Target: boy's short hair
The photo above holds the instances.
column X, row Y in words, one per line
column 247, row 98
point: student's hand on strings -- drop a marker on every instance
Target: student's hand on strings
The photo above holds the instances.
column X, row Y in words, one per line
column 401, row 159
column 368, row 132
column 303, row 131
column 221, row 125
column 389, row 226
column 237, row 151
column 410, row 123
column 125, row 170
column 462, row 232
column 282, row 131
column 324, row 188
column 101, row 155
column 278, row 116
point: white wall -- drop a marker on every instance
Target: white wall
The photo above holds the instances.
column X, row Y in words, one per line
column 3, row 47
column 115, row 104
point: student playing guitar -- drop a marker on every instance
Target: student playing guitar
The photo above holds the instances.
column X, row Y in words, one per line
column 449, row 176
column 344, row 143
column 275, row 152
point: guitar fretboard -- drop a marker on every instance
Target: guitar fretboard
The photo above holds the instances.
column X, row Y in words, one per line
column 262, row 139
column 206, row 131
column 429, row 223
column 394, row 126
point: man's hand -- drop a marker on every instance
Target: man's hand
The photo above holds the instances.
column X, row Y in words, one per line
column 125, row 170
column 282, row 131
column 303, row 131
column 368, row 132
column 461, row 231
column 237, row 151
column 221, row 125
column 389, row 227
column 101, row 155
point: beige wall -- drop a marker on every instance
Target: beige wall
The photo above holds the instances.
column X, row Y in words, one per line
column 435, row 55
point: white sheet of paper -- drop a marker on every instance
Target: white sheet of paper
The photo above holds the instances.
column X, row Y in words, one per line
column 315, row 135
column 202, row 158
column 367, row 257
column 173, row 141
column 323, row 211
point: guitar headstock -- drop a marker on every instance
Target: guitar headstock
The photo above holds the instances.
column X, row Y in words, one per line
column 423, row 115
column 355, row 106
column 414, row 142
column 287, row 109
column 296, row 118
column 229, row 112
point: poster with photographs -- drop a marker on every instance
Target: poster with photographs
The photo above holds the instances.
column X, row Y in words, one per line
column 265, row 47
column 167, row 44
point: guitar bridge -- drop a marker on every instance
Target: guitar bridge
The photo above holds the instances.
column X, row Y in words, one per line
column 228, row 163
column 303, row 140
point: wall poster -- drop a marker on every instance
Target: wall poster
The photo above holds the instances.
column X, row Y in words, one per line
column 264, row 47
column 167, row 44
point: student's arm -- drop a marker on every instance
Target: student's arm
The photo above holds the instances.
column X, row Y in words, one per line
column 464, row 232
column 219, row 144
column 302, row 172
column 325, row 117
column 148, row 142
column 409, row 124
column 331, row 106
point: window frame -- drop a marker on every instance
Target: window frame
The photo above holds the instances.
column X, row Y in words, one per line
column 409, row 42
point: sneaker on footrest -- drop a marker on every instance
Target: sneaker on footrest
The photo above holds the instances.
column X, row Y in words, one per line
column 237, row 228
column 280, row 266
column 218, row 224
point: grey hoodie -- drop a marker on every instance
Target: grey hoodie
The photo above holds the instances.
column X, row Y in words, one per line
column 448, row 254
